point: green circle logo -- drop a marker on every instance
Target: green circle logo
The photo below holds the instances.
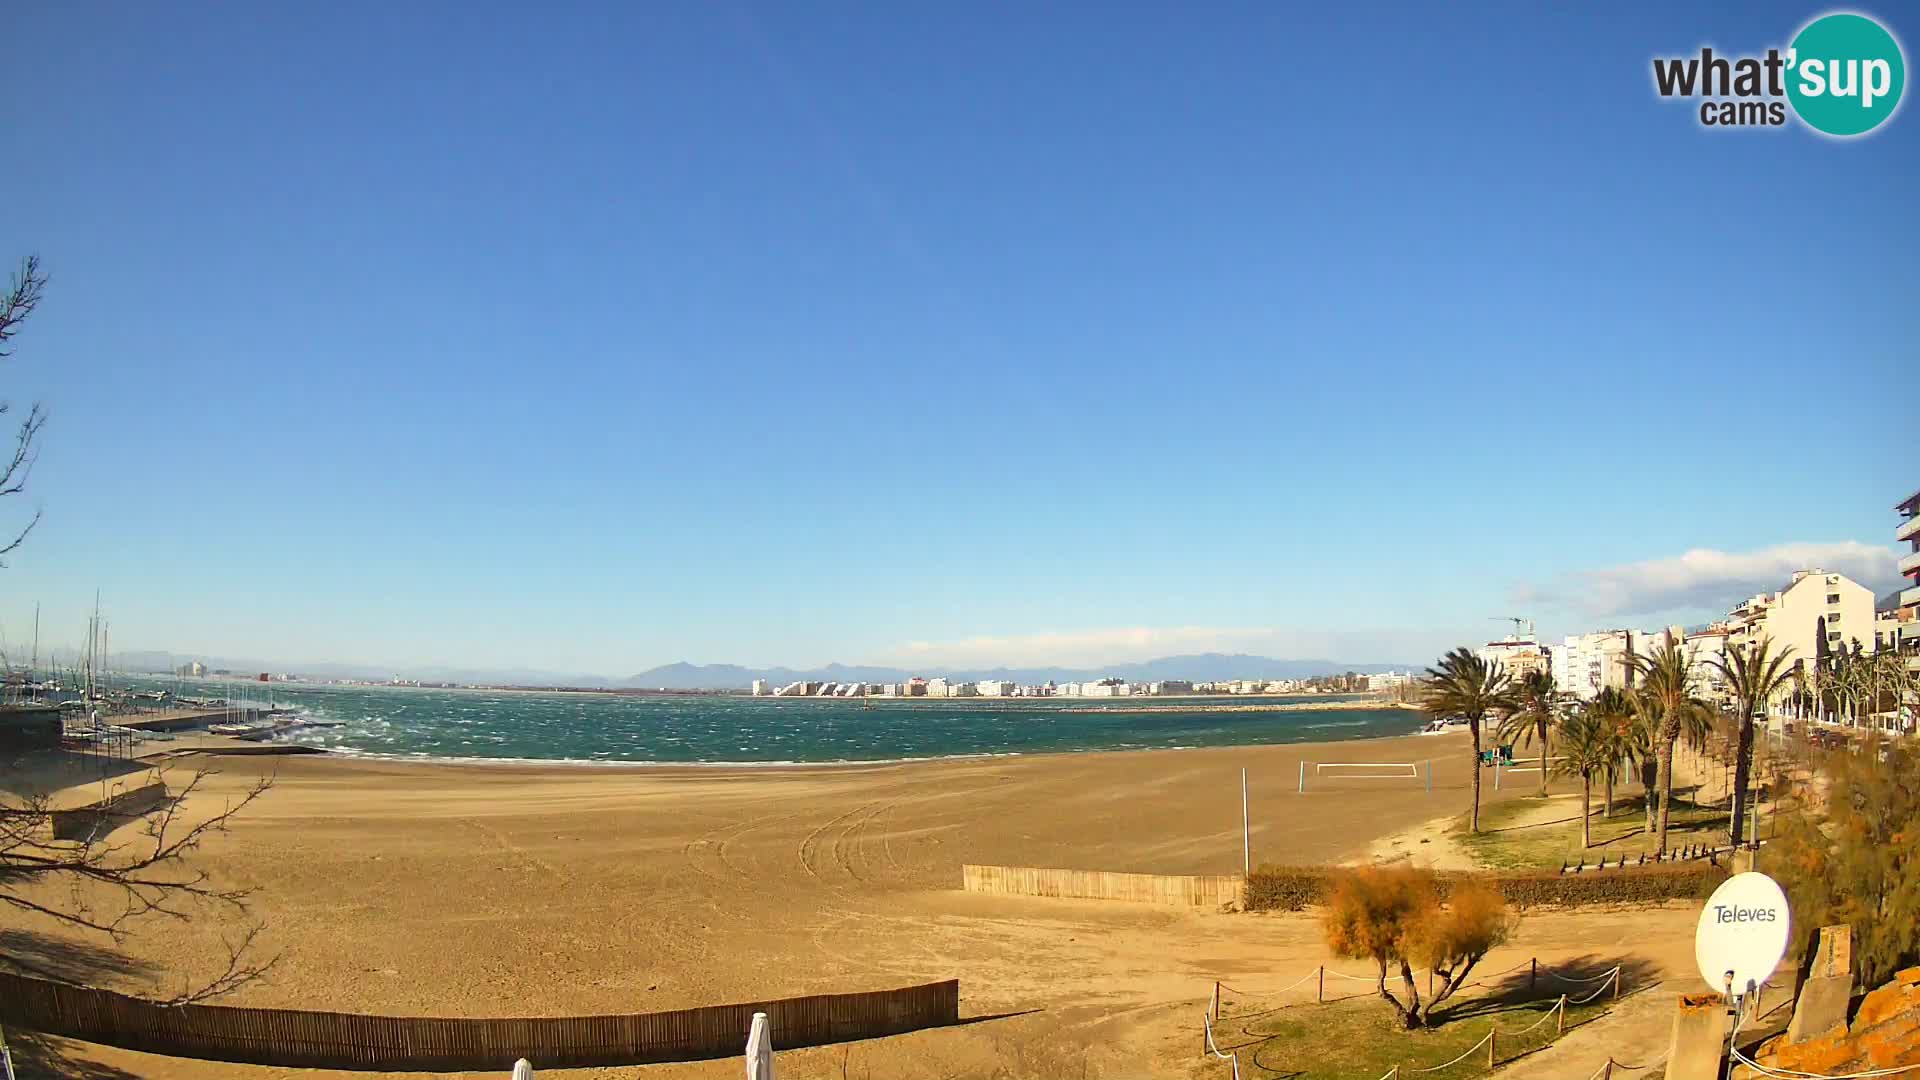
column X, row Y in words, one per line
column 1845, row 74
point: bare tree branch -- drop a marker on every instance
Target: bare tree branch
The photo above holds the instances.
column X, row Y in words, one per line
column 116, row 873
column 19, row 301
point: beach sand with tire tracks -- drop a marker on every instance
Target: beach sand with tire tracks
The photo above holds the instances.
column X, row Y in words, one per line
column 473, row 890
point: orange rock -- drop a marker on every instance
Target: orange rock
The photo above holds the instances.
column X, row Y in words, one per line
column 1882, row 1004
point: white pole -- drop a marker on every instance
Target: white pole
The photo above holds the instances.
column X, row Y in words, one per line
column 523, row 1070
column 1246, row 833
column 760, row 1048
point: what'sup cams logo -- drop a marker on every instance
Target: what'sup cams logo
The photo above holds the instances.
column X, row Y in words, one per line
column 1842, row 76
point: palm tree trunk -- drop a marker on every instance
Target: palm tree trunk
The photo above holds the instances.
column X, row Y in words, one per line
column 1473, row 725
column 1666, row 794
column 1742, row 775
column 1649, row 784
column 1608, row 812
column 1543, row 757
column 1586, row 810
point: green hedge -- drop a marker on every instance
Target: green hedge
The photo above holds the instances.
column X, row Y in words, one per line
column 1292, row 888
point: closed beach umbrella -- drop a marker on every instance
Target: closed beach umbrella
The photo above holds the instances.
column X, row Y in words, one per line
column 760, row 1049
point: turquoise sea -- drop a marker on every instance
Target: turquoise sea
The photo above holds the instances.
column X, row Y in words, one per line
column 609, row 729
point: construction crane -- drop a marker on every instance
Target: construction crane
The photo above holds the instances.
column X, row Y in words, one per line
column 1522, row 627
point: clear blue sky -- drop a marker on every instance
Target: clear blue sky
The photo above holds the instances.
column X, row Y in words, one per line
column 593, row 338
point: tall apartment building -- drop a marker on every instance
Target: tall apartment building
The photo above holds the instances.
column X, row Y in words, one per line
column 1909, row 531
column 1816, row 614
column 1904, row 634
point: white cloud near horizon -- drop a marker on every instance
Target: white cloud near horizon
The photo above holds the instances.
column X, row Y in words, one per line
column 1706, row 578
column 1091, row 648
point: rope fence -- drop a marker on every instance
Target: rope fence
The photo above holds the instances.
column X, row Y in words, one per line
column 1213, row 1048
column 1603, row 983
column 1322, row 973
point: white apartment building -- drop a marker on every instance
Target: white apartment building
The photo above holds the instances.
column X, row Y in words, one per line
column 759, row 688
column 993, row 688
column 1815, row 614
column 1518, row 655
column 1708, row 648
column 1388, row 680
column 937, row 688
column 1585, row 664
column 1906, row 602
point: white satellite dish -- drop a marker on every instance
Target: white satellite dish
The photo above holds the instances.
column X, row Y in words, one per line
column 1744, row 930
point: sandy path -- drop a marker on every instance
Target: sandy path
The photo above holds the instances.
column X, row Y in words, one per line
column 462, row 890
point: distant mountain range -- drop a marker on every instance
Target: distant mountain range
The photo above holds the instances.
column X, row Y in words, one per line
column 1198, row 667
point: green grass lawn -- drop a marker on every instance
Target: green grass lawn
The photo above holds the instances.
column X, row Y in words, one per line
column 1360, row 1038
column 1504, row 843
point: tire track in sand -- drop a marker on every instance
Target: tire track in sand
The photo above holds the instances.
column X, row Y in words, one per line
column 851, row 843
column 809, row 846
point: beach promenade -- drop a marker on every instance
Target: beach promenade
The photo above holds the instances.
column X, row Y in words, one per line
column 469, row 890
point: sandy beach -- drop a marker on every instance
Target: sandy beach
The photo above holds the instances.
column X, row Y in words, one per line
column 439, row 889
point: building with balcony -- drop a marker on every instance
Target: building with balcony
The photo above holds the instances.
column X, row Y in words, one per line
column 1908, row 608
column 1707, row 650
column 1815, row 615
column 1518, row 654
column 1585, row 664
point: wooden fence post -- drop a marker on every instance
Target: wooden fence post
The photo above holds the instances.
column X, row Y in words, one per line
column 1560, row 1022
column 1492, row 1036
column 1320, row 995
column 1533, row 975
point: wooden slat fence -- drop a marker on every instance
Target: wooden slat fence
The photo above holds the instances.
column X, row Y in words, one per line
column 1189, row 889
column 292, row 1038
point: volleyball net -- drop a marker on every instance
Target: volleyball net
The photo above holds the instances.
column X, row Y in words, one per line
column 1323, row 775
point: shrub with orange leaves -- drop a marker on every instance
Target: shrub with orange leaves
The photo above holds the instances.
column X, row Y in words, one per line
column 1393, row 917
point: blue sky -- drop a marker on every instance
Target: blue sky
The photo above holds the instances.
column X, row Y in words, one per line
column 590, row 338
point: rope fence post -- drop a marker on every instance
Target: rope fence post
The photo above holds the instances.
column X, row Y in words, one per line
column 1560, row 1023
column 1533, row 974
column 1492, row 1037
column 1320, row 995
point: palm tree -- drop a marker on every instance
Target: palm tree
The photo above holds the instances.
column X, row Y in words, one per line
column 1640, row 738
column 1667, row 691
column 1612, row 710
column 1464, row 685
column 1753, row 676
column 1585, row 748
column 1537, row 703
